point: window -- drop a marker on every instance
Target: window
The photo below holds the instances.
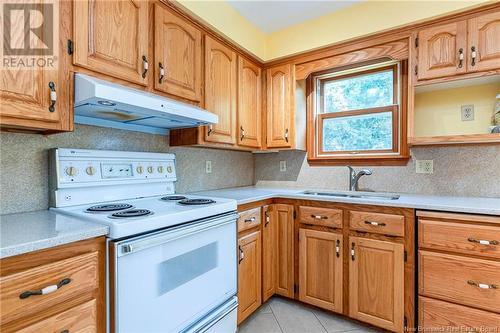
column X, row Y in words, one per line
column 357, row 115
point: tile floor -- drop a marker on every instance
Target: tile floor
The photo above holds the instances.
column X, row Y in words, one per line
column 280, row 315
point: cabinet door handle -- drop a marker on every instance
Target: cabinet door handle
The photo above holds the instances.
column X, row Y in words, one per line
column 319, row 217
column 53, row 96
column 242, row 133
column 376, row 224
column 482, row 285
column 483, row 242
column 242, row 254
column 473, row 55
column 460, row 58
column 286, row 135
column 268, row 218
column 162, row 72
column 250, row 220
column 145, row 66
column 337, row 248
column 352, row 251
column 65, row 331
column 210, row 128
column 46, row 290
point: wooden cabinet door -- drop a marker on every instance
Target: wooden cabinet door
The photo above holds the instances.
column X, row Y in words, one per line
column 440, row 49
column 111, row 37
column 320, row 269
column 282, row 216
column 484, row 40
column 25, row 92
column 249, row 278
column 376, row 283
column 220, row 91
column 280, row 127
column 269, row 254
column 249, row 104
column 177, row 55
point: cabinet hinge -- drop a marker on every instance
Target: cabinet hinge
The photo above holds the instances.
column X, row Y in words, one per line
column 70, row 46
column 416, row 70
column 405, row 254
column 295, row 288
column 416, row 42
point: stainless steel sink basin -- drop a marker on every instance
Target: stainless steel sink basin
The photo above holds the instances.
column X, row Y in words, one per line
column 361, row 195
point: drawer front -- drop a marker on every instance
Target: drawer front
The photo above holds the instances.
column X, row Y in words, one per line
column 249, row 219
column 79, row 319
column 440, row 316
column 80, row 274
column 327, row 217
column 387, row 224
column 467, row 281
column 474, row 239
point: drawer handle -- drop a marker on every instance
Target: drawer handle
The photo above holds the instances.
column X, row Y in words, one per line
column 46, row 290
column 483, row 242
column 376, row 224
column 482, row 285
column 250, row 220
column 319, row 217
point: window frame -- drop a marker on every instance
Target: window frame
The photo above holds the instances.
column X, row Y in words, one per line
column 398, row 154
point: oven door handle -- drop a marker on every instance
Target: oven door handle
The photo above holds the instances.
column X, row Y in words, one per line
column 129, row 246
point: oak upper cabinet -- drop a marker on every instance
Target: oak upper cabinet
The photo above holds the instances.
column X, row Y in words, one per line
column 178, row 55
column 249, row 104
column 484, row 42
column 269, row 254
column 249, row 274
column 320, row 269
column 282, row 216
column 279, row 108
column 37, row 98
column 376, row 282
column 220, row 91
column 442, row 50
column 111, row 37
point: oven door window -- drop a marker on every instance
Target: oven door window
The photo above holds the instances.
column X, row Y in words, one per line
column 169, row 286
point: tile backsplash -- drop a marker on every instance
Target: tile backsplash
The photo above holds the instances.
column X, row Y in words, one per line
column 458, row 171
column 24, row 163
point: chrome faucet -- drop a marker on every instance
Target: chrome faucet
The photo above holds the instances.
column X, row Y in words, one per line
column 354, row 177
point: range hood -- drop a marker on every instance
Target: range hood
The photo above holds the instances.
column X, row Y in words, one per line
column 106, row 104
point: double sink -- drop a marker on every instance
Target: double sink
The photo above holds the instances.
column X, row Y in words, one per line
column 362, row 195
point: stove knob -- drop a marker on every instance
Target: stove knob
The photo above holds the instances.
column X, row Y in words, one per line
column 90, row 171
column 139, row 169
column 71, row 171
column 160, row 169
column 150, row 169
column 169, row 169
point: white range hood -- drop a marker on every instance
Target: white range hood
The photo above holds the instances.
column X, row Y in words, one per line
column 106, row 104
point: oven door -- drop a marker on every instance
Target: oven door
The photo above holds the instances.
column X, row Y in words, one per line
column 168, row 280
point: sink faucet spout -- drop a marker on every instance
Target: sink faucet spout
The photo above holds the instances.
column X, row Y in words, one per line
column 355, row 176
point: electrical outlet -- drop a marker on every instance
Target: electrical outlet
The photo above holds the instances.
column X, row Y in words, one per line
column 424, row 166
column 208, row 166
column 467, row 112
column 282, row 166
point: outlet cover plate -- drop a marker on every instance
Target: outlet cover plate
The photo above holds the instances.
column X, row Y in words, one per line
column 467, row 112
column 282, row 166
column 208, row 166
column 424, row 166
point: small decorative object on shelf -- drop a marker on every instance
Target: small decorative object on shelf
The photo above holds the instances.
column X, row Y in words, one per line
column 495, row 119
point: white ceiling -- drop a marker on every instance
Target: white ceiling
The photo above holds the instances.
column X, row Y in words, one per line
column 272, row 15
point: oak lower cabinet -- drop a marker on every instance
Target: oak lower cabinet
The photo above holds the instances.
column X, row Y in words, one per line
column 112, row 38
column 376, row 282
column 282, row 215
column 269, row 254
column 320, row 269
column 178, row 55
column 249, row 274
column 76, row 274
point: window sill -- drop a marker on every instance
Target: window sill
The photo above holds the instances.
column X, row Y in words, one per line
column 393, row 160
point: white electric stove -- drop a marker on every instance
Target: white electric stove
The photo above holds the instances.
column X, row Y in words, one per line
column 173, row 257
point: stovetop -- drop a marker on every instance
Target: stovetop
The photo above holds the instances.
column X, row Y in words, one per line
column 134, row 216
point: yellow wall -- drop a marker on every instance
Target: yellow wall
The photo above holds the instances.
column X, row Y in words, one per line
column 438, row 112
column 229, row 22
column 354, row 21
